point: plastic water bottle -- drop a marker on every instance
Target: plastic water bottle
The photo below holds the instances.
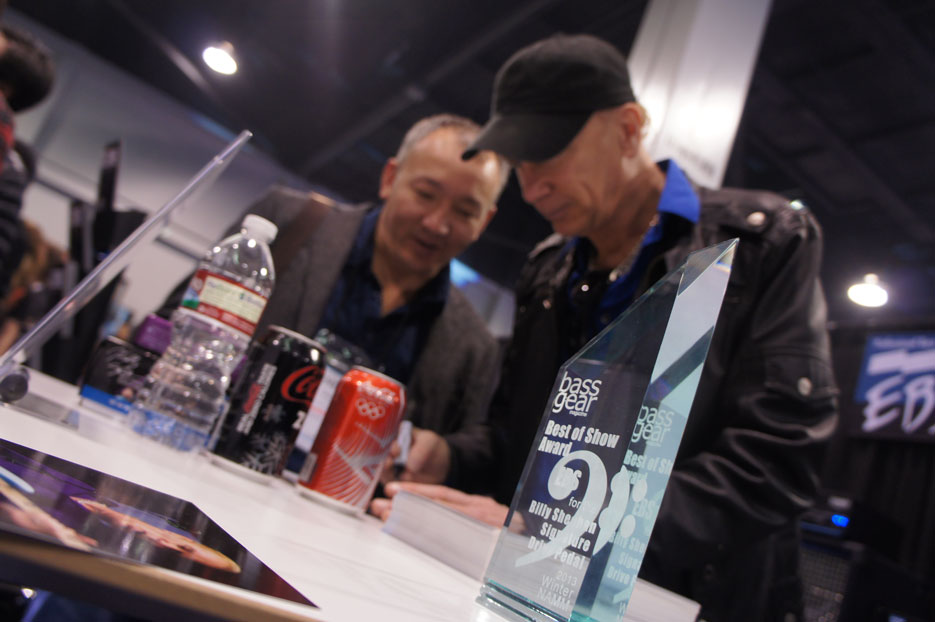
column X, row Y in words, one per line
column 185, row 392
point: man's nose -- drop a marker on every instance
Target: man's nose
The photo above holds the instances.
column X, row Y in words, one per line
column 436, row 220
column 532, row 182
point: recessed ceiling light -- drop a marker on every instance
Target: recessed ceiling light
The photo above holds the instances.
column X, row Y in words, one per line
column 869, row 292
column 220, row 58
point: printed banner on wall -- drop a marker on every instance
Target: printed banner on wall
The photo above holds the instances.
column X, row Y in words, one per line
column 896, row 387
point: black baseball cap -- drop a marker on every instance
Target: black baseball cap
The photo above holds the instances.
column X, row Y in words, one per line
column 544, row 94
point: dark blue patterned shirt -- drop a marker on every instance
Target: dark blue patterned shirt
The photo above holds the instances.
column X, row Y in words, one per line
column 393, row 342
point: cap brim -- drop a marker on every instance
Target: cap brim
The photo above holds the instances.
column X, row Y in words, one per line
column 527, row 137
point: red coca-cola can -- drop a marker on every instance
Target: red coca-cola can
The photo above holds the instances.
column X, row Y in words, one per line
column 355, row 437
column 270, row 401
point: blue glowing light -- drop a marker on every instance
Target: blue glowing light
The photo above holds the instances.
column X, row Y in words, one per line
column 462, row 274
column 840, row 520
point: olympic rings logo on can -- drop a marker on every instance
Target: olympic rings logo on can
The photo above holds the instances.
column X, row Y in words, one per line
column 370, row 409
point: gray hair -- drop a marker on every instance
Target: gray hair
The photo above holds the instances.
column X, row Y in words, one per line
column 466, row 129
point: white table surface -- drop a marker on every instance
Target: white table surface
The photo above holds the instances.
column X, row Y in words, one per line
column 346, row 565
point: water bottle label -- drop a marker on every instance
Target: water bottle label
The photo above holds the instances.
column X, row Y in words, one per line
column 224, row 300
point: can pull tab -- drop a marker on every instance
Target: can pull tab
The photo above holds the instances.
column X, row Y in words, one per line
column 404, row 440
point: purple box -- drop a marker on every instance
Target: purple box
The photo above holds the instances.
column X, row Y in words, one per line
column 154, row 333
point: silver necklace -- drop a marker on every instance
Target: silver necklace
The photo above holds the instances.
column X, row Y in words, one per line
column 624, row 266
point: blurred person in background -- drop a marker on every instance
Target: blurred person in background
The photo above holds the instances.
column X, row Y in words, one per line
column 30, row 293
column 26, row 77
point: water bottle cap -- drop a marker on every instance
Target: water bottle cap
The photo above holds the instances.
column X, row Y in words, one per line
column 260, row 228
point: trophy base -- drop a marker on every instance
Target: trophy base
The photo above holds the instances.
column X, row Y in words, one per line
column 513, row 607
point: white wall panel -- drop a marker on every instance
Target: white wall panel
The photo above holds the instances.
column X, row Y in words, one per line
column 691, row 65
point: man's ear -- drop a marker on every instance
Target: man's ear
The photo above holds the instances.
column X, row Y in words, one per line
column 388, row 177
column 630, row 119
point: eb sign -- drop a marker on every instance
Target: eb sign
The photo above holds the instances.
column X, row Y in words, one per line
column 896, row 386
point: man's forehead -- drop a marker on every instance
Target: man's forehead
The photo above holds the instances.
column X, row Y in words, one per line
column 446, row 156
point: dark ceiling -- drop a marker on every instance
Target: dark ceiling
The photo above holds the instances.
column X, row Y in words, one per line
column 841, row 110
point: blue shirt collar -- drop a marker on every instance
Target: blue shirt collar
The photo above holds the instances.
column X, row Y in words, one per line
column 678, row 198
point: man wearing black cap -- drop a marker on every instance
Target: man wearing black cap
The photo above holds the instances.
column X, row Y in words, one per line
column 564, row 114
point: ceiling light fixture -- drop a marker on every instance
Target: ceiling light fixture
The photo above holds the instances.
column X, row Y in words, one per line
column 220, row 58
column 869, row 292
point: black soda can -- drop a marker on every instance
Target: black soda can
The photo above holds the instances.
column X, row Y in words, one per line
column 270, row 401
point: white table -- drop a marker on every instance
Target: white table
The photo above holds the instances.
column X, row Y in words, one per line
column 345, row 565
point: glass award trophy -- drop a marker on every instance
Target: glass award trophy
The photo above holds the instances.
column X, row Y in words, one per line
column 585, row 506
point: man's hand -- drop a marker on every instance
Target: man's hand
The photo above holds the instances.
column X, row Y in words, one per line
column 482, row 508
column 428, row 462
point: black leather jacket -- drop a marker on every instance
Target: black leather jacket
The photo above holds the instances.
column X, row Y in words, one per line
column 766, row 404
